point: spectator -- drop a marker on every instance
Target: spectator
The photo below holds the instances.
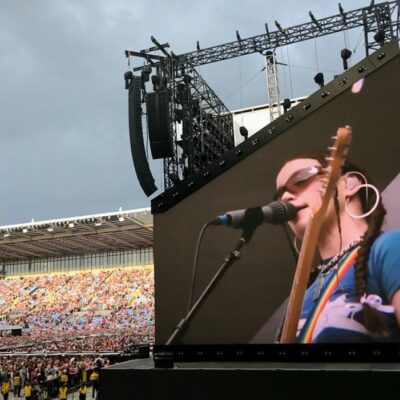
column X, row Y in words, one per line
column 6, row 388
column 94, row 379
column 63, row 392
column 28, row 390
column 83, row 392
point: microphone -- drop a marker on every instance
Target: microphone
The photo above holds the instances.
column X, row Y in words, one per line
column 274, row 213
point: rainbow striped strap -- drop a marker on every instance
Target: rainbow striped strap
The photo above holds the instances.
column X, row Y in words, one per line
column 329, row 288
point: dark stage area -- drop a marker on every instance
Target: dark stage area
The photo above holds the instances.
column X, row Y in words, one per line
column 234, row 380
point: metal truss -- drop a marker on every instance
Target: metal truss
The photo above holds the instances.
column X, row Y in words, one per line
column 274, row 95
column 372, row 19
column 201, row 125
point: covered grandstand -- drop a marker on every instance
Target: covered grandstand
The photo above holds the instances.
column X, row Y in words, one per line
column 100, row 240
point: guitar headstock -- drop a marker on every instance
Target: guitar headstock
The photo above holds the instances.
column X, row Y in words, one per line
column 331, row 174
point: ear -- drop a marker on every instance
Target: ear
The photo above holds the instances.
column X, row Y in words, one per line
column 351, row 183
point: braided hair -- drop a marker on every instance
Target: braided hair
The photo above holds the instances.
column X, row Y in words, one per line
column 373, row 321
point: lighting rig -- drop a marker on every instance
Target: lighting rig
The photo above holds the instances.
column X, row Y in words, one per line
column 199, row 124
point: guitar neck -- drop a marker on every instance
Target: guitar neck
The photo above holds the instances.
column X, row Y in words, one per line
column 299, row 286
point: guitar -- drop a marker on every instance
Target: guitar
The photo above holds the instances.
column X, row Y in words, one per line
column 331, row 175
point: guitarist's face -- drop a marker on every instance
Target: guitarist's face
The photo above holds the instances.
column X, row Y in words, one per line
column 298, row 183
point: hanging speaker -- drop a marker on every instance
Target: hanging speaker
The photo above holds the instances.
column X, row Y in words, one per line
column 158, row 124
column 146, row 180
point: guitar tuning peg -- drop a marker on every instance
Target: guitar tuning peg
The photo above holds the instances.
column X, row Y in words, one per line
column 333, row 148
column 329, row 158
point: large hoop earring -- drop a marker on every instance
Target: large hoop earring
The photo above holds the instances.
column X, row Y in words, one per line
column 378, row 197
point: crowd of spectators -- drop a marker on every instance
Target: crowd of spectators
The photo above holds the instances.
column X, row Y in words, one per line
column 74, row 313
column 47, row 374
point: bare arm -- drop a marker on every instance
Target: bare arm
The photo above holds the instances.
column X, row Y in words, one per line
column 396, row 305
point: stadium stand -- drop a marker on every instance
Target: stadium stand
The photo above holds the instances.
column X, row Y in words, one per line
column 76, row 295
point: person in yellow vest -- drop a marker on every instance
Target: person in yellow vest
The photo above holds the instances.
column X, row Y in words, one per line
column 28, row 390
column 6, row 388
column 83, row 391
column 63, row 392
column 94, row 378
column 17, row 385
column 64, row 377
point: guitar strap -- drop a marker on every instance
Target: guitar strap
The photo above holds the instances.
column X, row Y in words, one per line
column 329, row 288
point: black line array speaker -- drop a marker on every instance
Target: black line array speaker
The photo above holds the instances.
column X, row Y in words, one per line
column 158, row 123
column 140, row 162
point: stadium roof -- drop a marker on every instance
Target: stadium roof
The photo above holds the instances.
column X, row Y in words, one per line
column 95, row 233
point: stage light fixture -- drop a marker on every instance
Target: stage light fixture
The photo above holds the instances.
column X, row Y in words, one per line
column 270, row 57
column 371, row 4
column 314, row 20
column 156, row 81
column 343, row 14
column 319, row 79
column 379, row 37
column 146, row 71
column 345, row 54
column 286, row 104
column 280, row 28
column 244, row 132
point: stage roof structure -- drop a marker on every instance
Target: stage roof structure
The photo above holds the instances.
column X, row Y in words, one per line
column 121, row 230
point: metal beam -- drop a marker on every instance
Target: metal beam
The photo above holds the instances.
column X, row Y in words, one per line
column 285, row 36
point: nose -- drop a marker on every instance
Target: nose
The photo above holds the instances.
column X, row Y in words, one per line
column 287, row 196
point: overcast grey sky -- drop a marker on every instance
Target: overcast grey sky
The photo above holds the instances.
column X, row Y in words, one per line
column 64, row 147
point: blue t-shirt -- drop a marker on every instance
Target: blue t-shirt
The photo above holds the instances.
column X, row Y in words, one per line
column 341, row 321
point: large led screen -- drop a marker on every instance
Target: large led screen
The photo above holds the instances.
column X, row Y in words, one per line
column 247, row 304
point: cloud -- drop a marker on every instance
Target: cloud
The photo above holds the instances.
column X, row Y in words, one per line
column 63, row 117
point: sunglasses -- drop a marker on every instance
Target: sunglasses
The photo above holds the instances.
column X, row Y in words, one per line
column 297, row 178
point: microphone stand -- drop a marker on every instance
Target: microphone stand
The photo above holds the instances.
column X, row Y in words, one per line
column 252, row 221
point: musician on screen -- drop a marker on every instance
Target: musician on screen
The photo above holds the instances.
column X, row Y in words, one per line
column 356, row 294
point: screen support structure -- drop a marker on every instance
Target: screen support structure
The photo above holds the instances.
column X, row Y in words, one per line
column 201, row 124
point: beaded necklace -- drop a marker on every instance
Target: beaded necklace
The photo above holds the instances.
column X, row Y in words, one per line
column 325, row 269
